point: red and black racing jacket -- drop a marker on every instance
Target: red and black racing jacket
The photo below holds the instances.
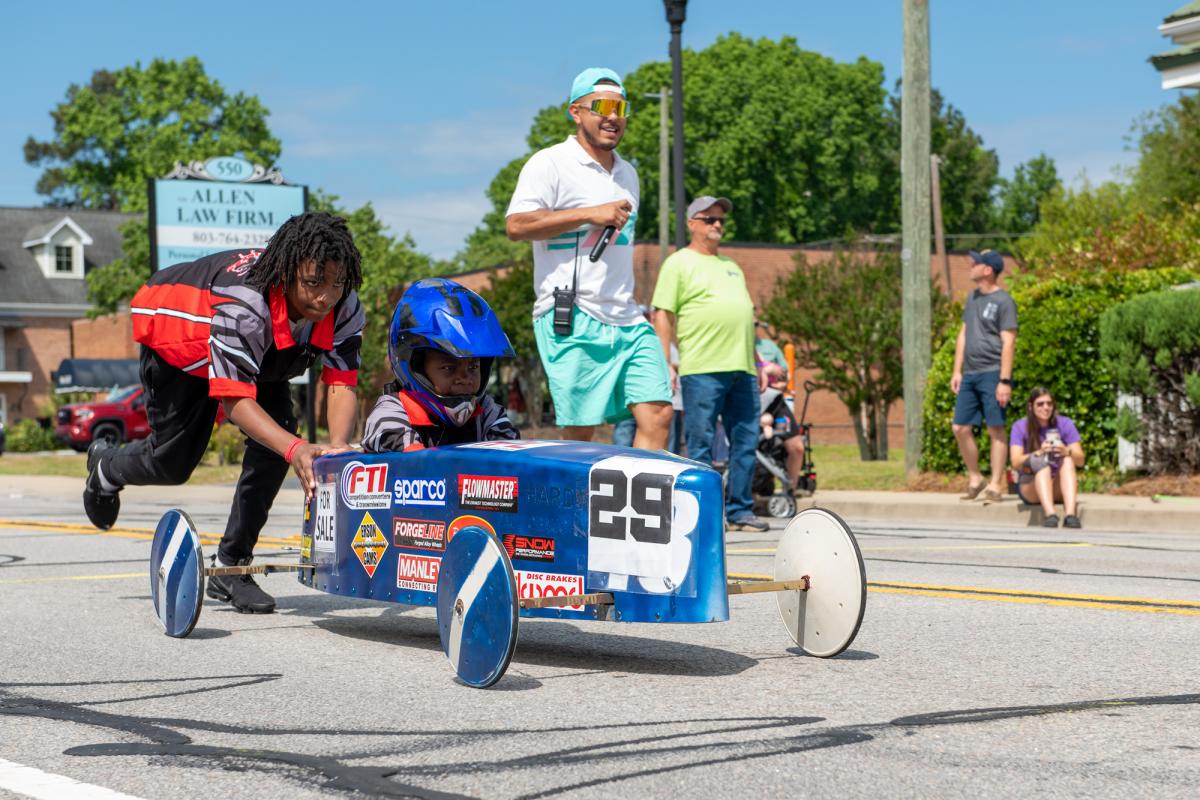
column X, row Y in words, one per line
column 201, row 317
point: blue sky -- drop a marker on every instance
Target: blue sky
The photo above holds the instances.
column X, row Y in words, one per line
column 414, row 106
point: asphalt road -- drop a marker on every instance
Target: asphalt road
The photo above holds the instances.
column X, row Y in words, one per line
column 1012, row 662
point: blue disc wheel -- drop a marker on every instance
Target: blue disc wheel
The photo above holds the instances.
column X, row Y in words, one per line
column 176, row 573
column 477, row 607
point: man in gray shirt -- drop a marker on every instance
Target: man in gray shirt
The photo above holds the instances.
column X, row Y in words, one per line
column 983, row 364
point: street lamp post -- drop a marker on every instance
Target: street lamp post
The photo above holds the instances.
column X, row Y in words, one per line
column 676, row 14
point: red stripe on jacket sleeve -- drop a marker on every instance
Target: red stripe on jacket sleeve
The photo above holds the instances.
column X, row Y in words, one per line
column 339, row 377
column 224, row 387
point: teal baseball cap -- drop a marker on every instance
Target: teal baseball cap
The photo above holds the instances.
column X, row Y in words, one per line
column 585, row 83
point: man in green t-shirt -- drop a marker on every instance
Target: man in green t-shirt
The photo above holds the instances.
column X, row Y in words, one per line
column 702, row 302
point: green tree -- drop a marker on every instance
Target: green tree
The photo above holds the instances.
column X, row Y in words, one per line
column 126, row 126
column 844, row 316
column 1019, row 199
column 1168, row 169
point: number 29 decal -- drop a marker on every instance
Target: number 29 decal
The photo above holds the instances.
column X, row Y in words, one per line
column 638, row 506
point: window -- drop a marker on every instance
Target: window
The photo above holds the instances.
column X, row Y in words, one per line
column 64, row 258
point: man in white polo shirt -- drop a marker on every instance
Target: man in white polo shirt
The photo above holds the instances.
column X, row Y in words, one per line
column 602, row 358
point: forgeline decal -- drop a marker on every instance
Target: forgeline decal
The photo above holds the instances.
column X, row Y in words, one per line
column 467, row 520
column 419, row 492
column 369, row 544
column 418, row 573
column 487, row 492
column 548, row 584
column 421, row 534
column 365, row 486
column 529, row 548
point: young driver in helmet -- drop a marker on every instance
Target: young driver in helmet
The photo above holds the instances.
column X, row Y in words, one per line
column 441, row 345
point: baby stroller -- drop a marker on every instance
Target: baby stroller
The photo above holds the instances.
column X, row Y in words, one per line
column 771, row 455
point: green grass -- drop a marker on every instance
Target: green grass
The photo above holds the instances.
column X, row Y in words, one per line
column 74, row 465
column 839, row 467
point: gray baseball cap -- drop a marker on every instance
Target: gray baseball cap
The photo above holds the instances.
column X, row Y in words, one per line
column 706, row 202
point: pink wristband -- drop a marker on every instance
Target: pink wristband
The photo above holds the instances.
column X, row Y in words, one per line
column 287, row 455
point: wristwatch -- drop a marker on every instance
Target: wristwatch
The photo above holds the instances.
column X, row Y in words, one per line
column 1006, row 381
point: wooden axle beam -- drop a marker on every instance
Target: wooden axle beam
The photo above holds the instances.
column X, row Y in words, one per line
column 754, row 587
column 256, row 569
column 593, row 599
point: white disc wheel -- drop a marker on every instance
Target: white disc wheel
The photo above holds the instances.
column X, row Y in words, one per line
column 819, row 546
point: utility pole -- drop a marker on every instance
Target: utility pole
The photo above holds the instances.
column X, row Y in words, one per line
column 676, row 14
column 914, row 204
column 939, row 234
column 664, row 173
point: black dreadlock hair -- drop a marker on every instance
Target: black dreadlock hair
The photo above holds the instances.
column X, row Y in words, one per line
column 314, row 236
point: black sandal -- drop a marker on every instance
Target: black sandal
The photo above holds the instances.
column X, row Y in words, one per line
column 1072, row 521
column 1050, row 521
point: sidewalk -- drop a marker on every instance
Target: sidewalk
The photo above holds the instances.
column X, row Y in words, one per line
column 1098, row 512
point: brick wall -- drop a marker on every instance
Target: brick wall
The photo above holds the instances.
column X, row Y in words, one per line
column 109, row 336
column 39, row 348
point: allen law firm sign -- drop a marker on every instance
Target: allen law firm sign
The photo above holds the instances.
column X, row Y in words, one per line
column 224, row 203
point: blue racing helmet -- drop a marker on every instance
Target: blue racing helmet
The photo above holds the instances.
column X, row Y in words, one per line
column 439, row 314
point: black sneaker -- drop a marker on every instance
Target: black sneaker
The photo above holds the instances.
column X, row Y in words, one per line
column 241, row 592
column 1072, row 521
column 100, row 506
column 748, row 523
column 1051, row 521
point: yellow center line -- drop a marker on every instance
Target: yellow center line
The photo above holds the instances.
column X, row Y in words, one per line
column 1143, row 605
column 112, row 577
column 760, row 551
column 125, row 533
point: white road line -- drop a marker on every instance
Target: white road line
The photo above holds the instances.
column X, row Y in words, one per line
column 33, row 782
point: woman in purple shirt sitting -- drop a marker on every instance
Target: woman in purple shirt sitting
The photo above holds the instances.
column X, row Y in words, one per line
column 1045, row 450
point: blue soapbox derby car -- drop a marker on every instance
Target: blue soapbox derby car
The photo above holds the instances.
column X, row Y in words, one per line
column 492, row 532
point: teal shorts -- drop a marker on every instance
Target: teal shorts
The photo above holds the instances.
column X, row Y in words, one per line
column 600, row 369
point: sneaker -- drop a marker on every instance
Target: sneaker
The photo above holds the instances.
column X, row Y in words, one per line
column 1072, row 521
column 748, row 523
column 100, row 506
column 1051, row 521
column 241, row 592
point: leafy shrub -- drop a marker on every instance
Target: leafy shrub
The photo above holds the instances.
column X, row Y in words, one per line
column 228, row 443
column 1151, row 347
column 28, row 436
column 1058, row 346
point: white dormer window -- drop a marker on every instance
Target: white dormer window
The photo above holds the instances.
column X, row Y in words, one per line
column 64, row 258
column 58, row 248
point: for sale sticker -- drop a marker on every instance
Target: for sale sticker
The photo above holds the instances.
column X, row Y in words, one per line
column 418, row 573
column 487, row 492
column 325, row 524
column 549, row 584
column 422, row 534
column 369, row 544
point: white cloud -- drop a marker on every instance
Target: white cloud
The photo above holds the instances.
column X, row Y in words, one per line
column 438, row 221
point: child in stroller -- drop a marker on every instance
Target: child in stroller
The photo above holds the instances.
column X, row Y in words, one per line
column 784, row 450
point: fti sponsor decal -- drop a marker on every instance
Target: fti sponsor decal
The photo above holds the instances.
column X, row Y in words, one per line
column 421, row 534
column 419, row 492
column 548, row 584
column 369, row 544
column 487, row 492
column 418, row 573
column 529, row 548
column 365, row 486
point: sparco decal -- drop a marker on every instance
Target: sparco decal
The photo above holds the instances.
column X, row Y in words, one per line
column 487, row 492
column 548, row 584
column 529, row 548
column 365, row 486
column 418, row 573
column 419, row 492
column 421, row 534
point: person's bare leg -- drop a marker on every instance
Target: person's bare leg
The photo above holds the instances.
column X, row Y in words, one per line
column 1069, row 486
column 795, row 458
column 1045, row 490
column 578, row 433
column 653, row 425
column 999, row 481
column 970, row 454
